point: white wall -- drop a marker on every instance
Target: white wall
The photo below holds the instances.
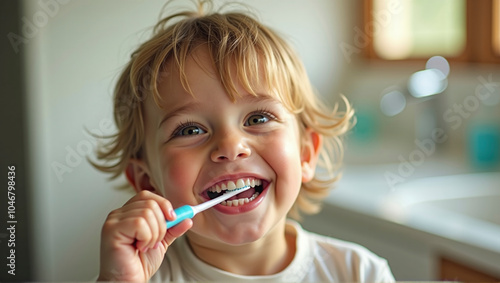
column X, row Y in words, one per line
column 75, row 50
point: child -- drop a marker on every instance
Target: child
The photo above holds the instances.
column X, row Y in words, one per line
column 210, row 101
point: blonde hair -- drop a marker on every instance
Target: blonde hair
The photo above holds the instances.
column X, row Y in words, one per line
column 231, row 38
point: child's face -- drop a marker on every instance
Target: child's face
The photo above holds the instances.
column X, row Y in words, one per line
column 196, row 143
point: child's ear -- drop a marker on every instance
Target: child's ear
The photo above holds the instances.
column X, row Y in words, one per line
column 311, row 146
column 138, row 176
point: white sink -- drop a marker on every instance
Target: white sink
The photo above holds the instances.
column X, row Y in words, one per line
column 463, row 207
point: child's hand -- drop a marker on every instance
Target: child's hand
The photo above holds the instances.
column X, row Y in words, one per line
column 134, row 238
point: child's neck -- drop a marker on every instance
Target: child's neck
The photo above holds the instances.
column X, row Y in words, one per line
column 269, row 255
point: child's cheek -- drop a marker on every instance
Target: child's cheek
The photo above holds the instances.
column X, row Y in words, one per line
column 284, row 151
column 179, row 175
column 283, row 155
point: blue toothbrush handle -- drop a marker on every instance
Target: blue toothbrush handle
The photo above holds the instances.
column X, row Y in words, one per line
column 183, row 212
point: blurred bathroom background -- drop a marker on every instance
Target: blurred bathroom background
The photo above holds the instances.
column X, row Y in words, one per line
column 421, row 181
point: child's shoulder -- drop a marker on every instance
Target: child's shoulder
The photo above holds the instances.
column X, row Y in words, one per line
column 338, row 246
column 346, row 261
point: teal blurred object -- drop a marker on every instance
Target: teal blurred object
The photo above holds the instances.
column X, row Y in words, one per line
column 366, row 128
column 484, row 146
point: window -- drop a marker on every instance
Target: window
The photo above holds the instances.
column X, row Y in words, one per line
column 467, row 30
column 496, row 27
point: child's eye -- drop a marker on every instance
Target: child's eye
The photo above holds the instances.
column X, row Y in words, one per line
column 188, row 129
column 256, row 119
column 259, row 117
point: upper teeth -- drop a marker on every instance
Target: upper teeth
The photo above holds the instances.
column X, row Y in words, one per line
column 240, row 183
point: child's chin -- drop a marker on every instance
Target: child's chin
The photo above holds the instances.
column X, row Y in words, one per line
column 242, row 235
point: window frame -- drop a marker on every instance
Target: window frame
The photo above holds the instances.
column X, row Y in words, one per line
column 479, row 35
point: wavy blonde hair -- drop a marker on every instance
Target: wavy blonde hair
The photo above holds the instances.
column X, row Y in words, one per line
column 232, row 38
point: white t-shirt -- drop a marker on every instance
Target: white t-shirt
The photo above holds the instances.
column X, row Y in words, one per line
column 317, row 259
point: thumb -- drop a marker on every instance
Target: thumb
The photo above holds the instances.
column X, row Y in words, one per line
column 177, row 231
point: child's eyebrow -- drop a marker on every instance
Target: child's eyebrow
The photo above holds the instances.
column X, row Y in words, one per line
column 259, row 97
column 189, row 107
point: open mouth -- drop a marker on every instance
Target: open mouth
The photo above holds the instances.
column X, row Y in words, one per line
column 247, row 196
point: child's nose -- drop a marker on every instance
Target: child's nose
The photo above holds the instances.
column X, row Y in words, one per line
column 230, row 147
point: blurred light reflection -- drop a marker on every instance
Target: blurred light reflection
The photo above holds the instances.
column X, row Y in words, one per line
column 427, row 82
column 440, row 63
column 393, row 103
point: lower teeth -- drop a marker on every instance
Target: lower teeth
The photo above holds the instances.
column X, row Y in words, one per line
column 241, row 201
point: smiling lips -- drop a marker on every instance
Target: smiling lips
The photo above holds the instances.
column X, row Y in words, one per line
column 240, row 199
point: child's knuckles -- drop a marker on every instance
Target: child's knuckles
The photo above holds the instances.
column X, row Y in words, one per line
column 144, row 194
column 137, row 197
column 148, row 214
column 113, row 214
column 165, row 205
column 108, row 227
column 112, row 220
column 164, row 202
column 150, row 204
column 140, row 223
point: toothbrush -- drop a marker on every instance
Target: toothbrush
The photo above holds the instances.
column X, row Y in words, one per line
column 188, row 211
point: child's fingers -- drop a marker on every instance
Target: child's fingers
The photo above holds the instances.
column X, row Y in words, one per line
column 146, row 218
column 167, row 213
column 143, row 221
column 137, row 228
column 139, row 225
column 165, row 205
column 177, row 231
